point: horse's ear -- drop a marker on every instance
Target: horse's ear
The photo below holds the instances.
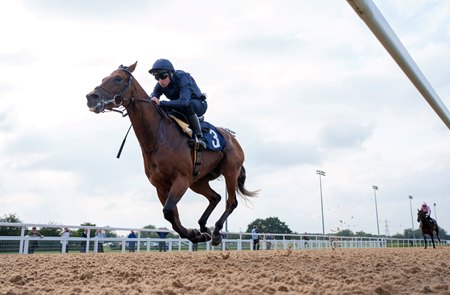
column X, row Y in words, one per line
column 132, row 67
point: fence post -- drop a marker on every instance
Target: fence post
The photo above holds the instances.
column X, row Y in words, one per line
column 22, row 235
column 138, row 242
column 25, row 248
column 170, row 244
column 124, row 244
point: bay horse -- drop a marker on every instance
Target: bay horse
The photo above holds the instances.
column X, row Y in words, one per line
column 168, row 158
column 428, row 228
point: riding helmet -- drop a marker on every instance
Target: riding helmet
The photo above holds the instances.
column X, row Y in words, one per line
column 162, row 65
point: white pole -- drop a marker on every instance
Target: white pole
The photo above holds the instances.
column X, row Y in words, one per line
column 412, row 220
column 375, row 188
column 226, row 200
column 321, row 173
column 373, row 18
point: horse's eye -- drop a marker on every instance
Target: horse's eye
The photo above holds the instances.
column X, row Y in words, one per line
column 118, row 78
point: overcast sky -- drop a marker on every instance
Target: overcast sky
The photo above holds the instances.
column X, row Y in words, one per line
column 304, row 84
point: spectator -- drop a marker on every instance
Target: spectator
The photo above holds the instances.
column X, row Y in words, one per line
column 306, row 238
column 132, row 244
column 194, row 246
column 64, row 240
column 162, row 235
column 33, row 245
column 255, row 238
column 83, row 243
column 100, row 235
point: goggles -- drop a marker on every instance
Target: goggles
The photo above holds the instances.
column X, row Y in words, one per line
column 161, row 75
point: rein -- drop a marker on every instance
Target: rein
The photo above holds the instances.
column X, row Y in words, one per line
column 118, row 102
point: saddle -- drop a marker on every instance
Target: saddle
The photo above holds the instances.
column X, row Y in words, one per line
column 183, row 125
column 213, row 138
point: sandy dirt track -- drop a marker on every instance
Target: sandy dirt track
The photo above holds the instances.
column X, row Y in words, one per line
column 340, row 271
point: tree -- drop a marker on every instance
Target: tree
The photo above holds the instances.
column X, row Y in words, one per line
column 146, row 234
column 270, row 225
column 50, row 231
column 362, row 234
column 80, row 231
column 443, row 234
column 10, row 230
column 345, row 233
column 110, row 233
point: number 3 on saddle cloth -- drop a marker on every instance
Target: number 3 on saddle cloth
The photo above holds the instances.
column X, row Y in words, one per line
column 213, row 139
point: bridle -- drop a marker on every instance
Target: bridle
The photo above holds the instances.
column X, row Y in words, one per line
column 116, row 99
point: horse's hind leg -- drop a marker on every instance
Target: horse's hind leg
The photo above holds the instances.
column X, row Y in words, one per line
column 432, row 240
column 202, row 187
column 232, row 203
column 437, row 233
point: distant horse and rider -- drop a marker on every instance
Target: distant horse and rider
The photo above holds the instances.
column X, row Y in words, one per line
column 169, row 160
column 428, row 226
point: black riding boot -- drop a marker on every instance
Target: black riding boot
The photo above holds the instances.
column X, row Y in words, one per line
column 195, row 125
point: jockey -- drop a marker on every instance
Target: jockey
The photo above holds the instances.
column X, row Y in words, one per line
column 183, row 93
column 427, row 210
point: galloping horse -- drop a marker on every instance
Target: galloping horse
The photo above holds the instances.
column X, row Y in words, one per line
column 168, row 159
column 427, row 227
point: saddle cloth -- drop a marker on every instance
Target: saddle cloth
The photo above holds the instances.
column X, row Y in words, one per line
column 213, row 139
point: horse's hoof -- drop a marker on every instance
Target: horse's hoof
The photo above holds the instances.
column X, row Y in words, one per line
column 216, row 240
column 206, row 237
column 195, row 236
column 205, row 230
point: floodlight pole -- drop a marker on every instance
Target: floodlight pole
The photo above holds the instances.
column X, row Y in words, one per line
column 226, row 200
column 435, row 214
column 321, row 173
column 375, row 188
column 412, row 220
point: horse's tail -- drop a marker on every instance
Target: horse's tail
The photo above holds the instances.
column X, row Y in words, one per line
column 243, row 192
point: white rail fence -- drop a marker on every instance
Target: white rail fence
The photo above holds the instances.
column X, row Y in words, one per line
column 25, row 244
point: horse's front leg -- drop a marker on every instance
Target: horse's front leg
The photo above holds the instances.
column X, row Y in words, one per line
column 425, row 239
column 170, row 211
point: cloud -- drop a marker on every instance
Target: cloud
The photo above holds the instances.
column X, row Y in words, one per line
column 344, row 135
column 17, row 58
column 97, row 11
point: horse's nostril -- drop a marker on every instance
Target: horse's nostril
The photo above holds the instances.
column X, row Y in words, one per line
column 92, row 96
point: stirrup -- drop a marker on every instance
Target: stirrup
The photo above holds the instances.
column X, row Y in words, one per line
column 197, row 143
column 200, row 144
